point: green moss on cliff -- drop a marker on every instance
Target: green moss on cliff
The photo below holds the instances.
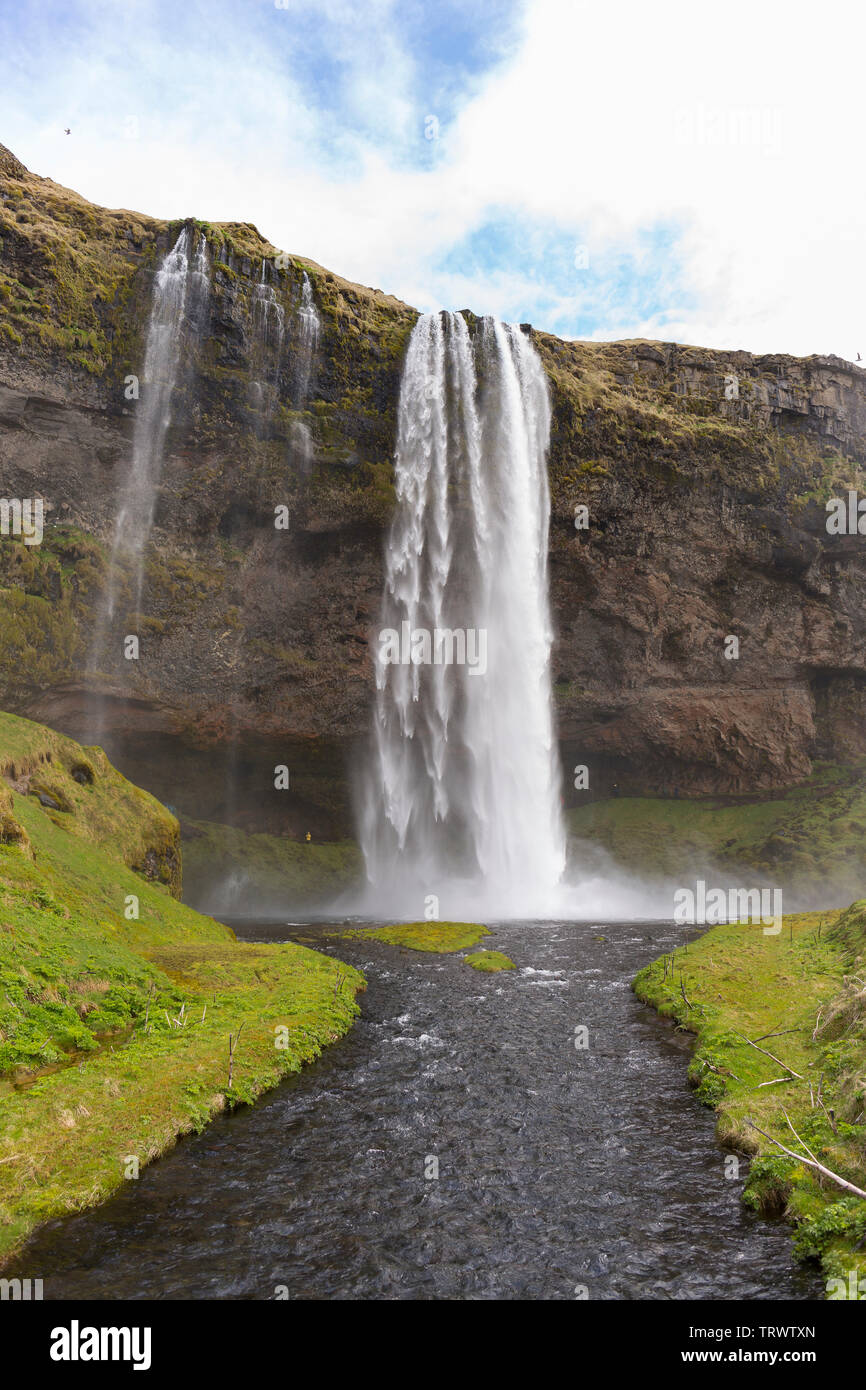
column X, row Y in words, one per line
column 47, row 594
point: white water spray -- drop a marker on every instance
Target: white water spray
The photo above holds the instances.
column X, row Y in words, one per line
column 462, row 797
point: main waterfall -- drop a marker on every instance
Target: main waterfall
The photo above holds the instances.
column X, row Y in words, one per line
column 462, row 799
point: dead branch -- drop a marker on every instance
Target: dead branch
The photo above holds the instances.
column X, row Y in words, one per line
column 233, row 1042
column 771, row 1056
column 810, row 1163
column 781, row 1034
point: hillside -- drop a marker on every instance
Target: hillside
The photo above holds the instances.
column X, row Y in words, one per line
column 116, row 1001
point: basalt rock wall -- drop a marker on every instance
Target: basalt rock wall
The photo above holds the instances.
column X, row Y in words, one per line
column 704, row 475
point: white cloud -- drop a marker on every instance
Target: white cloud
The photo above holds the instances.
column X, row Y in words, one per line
column 741, row 124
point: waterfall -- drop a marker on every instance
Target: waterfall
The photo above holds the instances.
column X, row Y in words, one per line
column 268, row 315
column 180, row 287
column 462, row 797
column 181, row 295
column 266, row 349
column 307, row 344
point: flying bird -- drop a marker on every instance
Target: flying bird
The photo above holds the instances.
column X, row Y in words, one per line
column 67, row 132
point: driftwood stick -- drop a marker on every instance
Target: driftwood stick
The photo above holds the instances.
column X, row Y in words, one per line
column 781, row 1034
column 810, row 1163
column 831, row 1118
column 721, row 1071
column 772, row 1057
column 797, row 1137
column 688, row 1003
column 233, row 1042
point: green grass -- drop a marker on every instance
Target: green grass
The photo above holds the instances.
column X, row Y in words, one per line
column 815, row 834
column 489, row 961
column 114, row 1029
column 804, row 986
column 272, row 867
column 423, row 936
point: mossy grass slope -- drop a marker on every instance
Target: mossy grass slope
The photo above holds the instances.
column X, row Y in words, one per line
column 798, row 995
column 80, row 794
column 114, row 1027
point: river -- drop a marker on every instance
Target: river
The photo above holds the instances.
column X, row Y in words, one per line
column 563, row 1172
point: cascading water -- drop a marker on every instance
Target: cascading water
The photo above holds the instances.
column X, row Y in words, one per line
column 181, row 287
column 279, row 353
column 462, row 796
column 307, row 343
column 181, row 293
column 268, row 315
column 268, row 325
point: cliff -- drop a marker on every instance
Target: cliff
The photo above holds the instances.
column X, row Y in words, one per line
column 704, row 473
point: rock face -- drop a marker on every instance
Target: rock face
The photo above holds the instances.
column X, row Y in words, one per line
column 704, row 474
column 707, row 522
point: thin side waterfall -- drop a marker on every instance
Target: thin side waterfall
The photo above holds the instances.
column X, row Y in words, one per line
column 268, row 312
column 462, row 795
column 275, row 342
column 181, row 292
column 309, row 327
column 268, row 324
column 177, row 281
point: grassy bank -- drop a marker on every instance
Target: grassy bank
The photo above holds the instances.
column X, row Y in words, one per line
column 813, row 837
column 117, row 1002
column 224, row 867
column 799, row 996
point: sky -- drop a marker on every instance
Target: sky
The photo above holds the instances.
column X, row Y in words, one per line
column 675, row 170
